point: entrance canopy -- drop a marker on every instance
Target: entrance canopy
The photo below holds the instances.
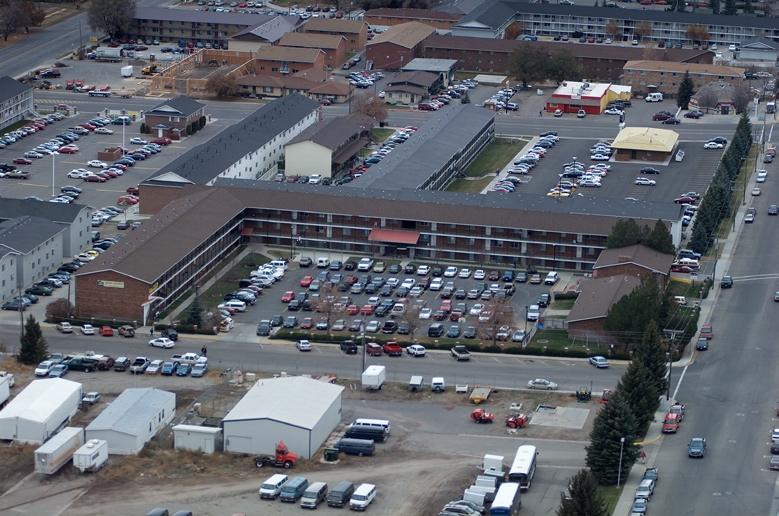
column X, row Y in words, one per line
column 393, row 236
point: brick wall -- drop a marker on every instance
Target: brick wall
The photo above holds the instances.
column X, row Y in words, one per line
column 93, row 300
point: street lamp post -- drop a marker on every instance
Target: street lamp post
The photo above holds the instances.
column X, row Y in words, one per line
column 554, row 256
column 53, row 163
column 526, row 309
column 619, row 472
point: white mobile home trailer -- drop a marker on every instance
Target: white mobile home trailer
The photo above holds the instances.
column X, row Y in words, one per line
column 92, row 456
column 132, row 419
column 40, row 410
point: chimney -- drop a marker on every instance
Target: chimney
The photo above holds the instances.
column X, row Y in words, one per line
column 624, row 258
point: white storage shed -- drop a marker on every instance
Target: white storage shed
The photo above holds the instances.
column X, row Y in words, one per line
column 298, row 410
column 205, row 439
column 40, row 410
column 132, row 419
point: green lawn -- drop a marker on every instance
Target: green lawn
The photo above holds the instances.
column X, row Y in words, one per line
column 494, row 157
column 611, row 496
column 462, row 185
column 563, row 304
column 382, row 134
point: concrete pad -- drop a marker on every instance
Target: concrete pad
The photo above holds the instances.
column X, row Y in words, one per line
column 561, row 417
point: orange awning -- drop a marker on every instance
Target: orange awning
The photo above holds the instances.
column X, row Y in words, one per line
column 393, row 236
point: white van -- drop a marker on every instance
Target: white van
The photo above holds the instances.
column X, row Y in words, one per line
column 279, row 264
column 362, row 497
column 323, row 263
column 551, row 278
column 365, row 264
column 383, row 423
column 689, row 262
column 654, row 97
column 271, row 488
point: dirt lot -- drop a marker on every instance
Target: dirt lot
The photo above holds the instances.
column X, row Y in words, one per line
column 413, row 477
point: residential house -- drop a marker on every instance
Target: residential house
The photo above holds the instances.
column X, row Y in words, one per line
column 723, row 93
column 327, row 148
column 411, row 87
column 635, row 260
column 445, row 68
column 172, row 118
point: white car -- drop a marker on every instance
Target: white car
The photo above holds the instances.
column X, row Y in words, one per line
column 761, row 176
column 450, row 272
column 408, row 283
column 138, row 141
column 645, row 181
column 33, row 154
column 235, row 304
column 600, row 157
column 423, row 270
column 476, row 309
column 612, row 111
column 415, row 350
column 44, row 368
column 303, row 345
column 601, row 166
column 540, row 383
column 599, row 362
column 426, row 313
column 88, row 329
column 155, row 367
column 436, row 284
column 96, row 163
column 162, row 342
column 590, row 183
column 479, row 274
column 713, row 145
column 465, row 273
column 76, row 174
column 104, row 130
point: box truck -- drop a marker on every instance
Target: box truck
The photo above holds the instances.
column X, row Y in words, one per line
column 127, row 71
column 5, row 390
column 58, row 450
column 92, row 456
column 374, row 376
column 113, row 55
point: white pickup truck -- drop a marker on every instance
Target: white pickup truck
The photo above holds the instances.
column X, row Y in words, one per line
column 186, row 358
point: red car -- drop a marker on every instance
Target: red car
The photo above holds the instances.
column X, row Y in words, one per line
column 162, row 141
column 110, row 173
column 107, row 331
column 352, row 309
column 367, row 309
column 351, row 280
column 67, row 150
column 88, row 127
column 288, row 296
column 446, row 305
column 306, row 281
column 94, row 179
column 22, row 161
column 682, row 269
column 133, row 190
column 120, row 166
column 684, row 200
column 494, row 276
column 127, row 199
column 307, row 323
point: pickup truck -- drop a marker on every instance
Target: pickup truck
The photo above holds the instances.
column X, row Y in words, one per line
column 677, row 408
column 697, row 447
column 140, row 365
column 18, row 174
column 81, row 364
column 349, row 347
column 186, row 358
column 393, row 349
column 461, row 353
column 670, row 423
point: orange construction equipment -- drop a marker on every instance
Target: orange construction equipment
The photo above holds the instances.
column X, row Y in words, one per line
column 480, row 416
column 519, row 421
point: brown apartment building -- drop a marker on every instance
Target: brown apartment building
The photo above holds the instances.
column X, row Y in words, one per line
column 398, row 46
column 386, row 16
column 600, row 62
column 355, row 31
column 333, row 46
column 284, row 61
column 664, row 76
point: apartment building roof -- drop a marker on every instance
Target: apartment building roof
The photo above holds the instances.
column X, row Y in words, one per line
column 311, row 40
column 597, row 295
column 194, row 16
column 406, row 35
column 181, row 106
column 420, row 14
column 288, row 54
column 693, row 68
column 330, row 134
column 269, row 31
column 334, row 25
column 10, row 87
column 639, row 255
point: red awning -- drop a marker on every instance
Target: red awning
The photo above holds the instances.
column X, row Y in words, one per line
column 393, row 236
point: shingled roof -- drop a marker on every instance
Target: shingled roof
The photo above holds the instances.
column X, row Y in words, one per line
column 596, row 296
column 328, row 133
column 406, row 35
column 311, row 40
column 639, row 255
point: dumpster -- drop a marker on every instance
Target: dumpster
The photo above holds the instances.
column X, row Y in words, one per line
column 331, row 455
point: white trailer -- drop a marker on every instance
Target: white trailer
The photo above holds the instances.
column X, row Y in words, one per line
column 58, row 451
column 92, row 456
column 127, row 71
column 5, row 390
column 374, row 376
column 494, row 462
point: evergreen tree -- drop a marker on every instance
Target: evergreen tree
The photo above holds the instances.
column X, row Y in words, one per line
column 660, row 239
column 730, row 8
column 700, row 239
column 466, row 99
column 714, row 6
column 614, row 422
column 585, row 499
column 650, row 355
column 641, row 393
column 195, row 317
column 686, row 91
column 34, row 348
column 631, row 314
column 748, row 6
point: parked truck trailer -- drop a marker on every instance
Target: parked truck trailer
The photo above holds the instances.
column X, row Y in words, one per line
column 58, row 450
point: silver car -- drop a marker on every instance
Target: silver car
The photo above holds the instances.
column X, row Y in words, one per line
column 540, row 383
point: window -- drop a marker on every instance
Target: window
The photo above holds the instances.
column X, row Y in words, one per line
column 451, row 240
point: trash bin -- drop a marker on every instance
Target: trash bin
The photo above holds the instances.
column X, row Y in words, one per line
column 331, row 454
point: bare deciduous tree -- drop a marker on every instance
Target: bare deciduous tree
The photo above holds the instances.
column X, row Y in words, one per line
column 370, row 105
column 708, row 99
column 612, row 29
column 643, row 30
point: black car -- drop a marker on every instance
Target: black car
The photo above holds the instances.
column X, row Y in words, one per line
column 355, row 326
column 350, row 265
column 543, row 300
column 389, row 327
column 381, row 311
column 69, row 188
column 38, row 290
column 385, row 291
column 171, row 334
column 294, row 305
column 719, row 139
column 14, row 304
column 727, row 282
column 649, row 170
column 674, row 121
column 394, row 268
column 291, row 321
column 276, row 321
column 410, row 268
column 349, row 347
column 548, row 133
column 438, row 271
